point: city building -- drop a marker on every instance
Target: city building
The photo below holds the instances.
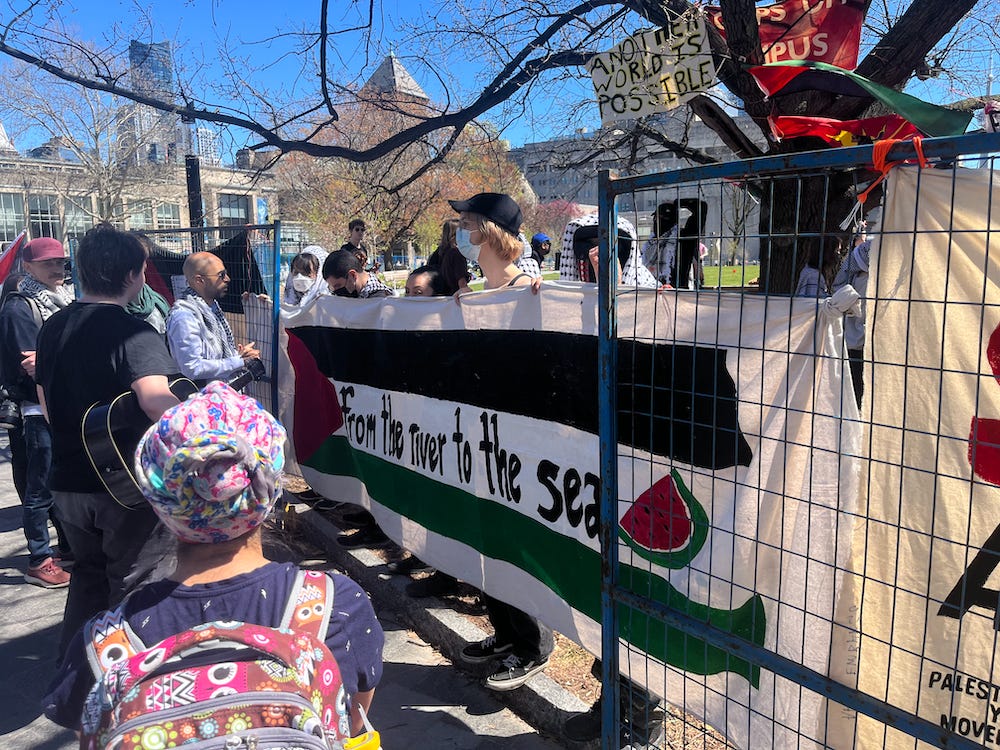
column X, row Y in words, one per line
column 146, row 134
column 392, row 82
column 567, row 169
column 54, row 197
column 208, row 146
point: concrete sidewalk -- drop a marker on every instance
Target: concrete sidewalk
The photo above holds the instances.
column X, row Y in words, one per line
column 422, row 699
column 542, row 702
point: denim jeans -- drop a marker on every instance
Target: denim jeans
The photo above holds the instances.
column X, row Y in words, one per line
column 37, row 498
column 18, row 460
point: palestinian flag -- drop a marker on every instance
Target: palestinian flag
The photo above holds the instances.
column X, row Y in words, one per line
column 842, row 132
column 796, row 75
column 317, row 413
column 8, row 260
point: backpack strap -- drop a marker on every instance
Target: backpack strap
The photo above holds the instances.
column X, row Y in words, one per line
column 310, row 603
column 109, row 639
column 36, row 312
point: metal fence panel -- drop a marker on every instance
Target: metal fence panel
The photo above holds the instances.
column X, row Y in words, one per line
column 782, row 562
column 252, row 256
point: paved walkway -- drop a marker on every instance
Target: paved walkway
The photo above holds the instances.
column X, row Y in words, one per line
column 422, row 701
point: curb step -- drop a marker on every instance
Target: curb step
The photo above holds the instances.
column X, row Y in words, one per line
column 541, row 701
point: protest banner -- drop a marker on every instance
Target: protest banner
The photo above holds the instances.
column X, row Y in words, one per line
column 653, row 71
column 923, row 584
column 826, row 31
column 470, row 432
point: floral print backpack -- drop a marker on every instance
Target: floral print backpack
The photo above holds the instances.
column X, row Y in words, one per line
column 223, row 685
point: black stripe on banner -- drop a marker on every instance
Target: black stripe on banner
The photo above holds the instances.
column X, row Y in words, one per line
column 675, row 401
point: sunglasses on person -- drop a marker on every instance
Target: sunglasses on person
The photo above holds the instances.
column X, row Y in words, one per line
column 220, row 275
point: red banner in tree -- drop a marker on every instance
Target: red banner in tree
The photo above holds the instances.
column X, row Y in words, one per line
column 842, row 132
column 820, row 30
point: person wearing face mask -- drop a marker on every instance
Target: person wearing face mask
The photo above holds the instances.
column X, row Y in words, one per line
column 540, row 246
column 304, row 283
column 488, row 234
column 489, row 224
column 342, row 270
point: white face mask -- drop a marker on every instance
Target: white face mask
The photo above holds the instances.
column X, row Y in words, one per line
column 301, row 283
column 464, row 241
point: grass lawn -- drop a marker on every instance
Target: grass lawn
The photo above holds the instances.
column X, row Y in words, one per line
column 714, row 276
column 730, row 275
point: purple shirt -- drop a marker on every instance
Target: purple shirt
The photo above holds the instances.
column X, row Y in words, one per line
column 165, row 608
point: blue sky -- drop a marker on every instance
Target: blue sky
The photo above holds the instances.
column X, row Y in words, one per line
column 197, row 29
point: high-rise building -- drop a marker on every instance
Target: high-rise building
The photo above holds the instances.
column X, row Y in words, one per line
column 146, row 134
column 151, row 68
column 208, row 145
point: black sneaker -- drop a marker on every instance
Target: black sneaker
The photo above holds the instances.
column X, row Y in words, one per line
column 351, row 517
column 584, row 727
column 644, row 732
column 486, row 650
column 365, row 538
column 438, row 584
column 408, row 565
column 514, row 672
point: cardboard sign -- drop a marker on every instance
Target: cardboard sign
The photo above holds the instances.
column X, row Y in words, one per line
column 653, row 71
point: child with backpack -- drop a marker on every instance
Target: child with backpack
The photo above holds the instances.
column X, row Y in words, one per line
column 231, row 648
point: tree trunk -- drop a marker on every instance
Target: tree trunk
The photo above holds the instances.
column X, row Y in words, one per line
column 800, row 216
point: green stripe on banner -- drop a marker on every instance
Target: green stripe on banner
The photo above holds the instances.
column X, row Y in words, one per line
column 568, row 568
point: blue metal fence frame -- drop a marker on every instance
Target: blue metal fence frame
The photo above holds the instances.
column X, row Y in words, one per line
column 612, row 596
column 275, row 269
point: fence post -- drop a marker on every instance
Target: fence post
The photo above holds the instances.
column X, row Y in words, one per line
column 607, row 376
column 276, row 313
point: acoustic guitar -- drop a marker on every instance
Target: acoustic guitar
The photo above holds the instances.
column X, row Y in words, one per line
column 111, row 433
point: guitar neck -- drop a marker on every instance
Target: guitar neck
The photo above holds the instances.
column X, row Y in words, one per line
column 254, row 370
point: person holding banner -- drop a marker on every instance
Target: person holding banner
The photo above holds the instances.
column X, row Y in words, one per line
column 489, row 224
column 488, row 234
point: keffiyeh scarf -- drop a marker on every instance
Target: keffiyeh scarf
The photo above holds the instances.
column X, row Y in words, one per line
column 49, row 302
column 219, row 341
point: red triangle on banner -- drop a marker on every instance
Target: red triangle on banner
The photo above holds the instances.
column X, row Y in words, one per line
column 9, row 258
column 316, row 409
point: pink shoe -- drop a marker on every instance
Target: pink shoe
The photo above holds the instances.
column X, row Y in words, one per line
column 48, row 575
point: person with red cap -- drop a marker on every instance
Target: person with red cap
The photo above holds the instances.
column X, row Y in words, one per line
column 40, row 293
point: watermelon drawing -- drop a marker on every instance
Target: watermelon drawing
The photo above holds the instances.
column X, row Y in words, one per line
column 666, row 524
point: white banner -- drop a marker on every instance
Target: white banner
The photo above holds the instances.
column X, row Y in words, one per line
column 925, row 588
column 470, row 432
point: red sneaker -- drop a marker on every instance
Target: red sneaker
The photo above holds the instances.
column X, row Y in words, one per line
column 48, row 575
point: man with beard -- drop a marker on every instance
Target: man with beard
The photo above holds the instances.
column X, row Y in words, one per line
column 200, row 340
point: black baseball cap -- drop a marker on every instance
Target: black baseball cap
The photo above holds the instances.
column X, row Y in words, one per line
column 499, row 208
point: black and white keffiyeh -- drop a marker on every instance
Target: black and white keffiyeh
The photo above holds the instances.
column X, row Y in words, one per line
column 48, row 301
column 219, row 340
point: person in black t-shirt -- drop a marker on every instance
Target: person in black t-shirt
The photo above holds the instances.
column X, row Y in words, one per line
column 90, row 352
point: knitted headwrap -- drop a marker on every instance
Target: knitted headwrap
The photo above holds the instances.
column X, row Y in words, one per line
column 211, row 467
